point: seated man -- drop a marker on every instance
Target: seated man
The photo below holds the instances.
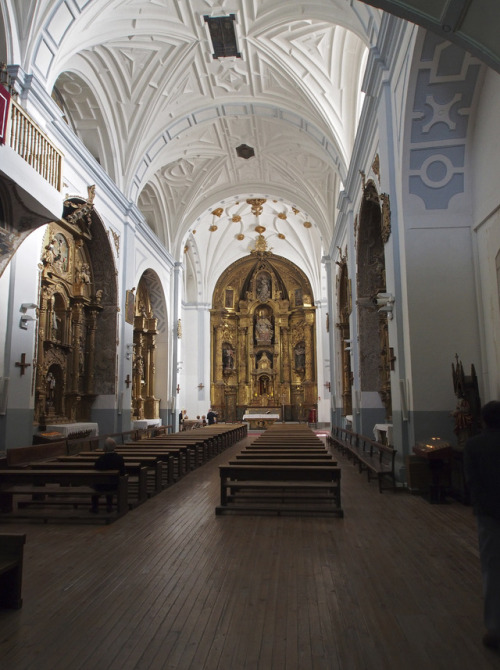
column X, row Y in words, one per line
column 109, row 460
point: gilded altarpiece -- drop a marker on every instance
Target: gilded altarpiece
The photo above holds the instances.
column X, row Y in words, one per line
column 344, row 313
column 144, row 403
column 69, row 309
column 263, row 354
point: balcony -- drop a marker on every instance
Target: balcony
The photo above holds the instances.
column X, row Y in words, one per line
column 31, row 143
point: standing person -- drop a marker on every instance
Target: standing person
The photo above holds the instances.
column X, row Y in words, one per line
column 211, row 417
column 482, row 473
column 109, row 460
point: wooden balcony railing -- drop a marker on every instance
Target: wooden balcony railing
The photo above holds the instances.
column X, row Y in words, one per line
column 34, row 146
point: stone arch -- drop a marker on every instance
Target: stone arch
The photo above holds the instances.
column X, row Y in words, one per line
column 78, row 316
column 150, row 363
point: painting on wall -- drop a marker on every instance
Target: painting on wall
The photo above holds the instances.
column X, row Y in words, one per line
column 130, row 307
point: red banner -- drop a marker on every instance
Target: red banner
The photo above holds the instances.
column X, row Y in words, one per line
column 4, row 113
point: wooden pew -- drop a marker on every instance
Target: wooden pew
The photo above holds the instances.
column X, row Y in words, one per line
column 277, row 456
column 375, row 458
column 177, row 458
column 184, row 456
column 280, row 489
column 137, row 475
column 55, row 494
column 36, row 452
column 11, row 569
column 157, row 480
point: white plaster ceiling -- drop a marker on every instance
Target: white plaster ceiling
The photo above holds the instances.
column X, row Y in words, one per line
column 140, row 87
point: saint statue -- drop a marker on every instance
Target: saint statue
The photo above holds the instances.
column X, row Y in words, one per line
column 300, row 357
column 263, row 288
column 263, row 329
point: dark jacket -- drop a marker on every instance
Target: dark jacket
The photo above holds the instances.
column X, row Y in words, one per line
column 110, row 460
column 482, row 472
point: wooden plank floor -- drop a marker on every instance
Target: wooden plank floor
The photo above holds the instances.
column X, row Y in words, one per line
column 395, row 584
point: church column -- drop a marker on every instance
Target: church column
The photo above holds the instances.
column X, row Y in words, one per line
column 242, row 358
column 218, row 352
column 138, row 376
column 309, row 348
column 90, row 367
column 78, row 338
column 285, row 355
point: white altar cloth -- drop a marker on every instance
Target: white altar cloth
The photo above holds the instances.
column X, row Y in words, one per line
column 71, row 428
column 144, row 424
column 383, row 432
column 269, row 417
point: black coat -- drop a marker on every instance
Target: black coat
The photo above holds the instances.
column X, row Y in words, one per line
column 482, row 472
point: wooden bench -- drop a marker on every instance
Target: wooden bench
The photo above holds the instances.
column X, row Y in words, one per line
column 375, row 458
column 55, row 494
column 156, row 469
column 11, row 569
column 280, row 488
column 36, row 452
column 136, row 471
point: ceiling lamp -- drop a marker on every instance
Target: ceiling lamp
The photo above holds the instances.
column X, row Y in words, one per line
column 244, row 151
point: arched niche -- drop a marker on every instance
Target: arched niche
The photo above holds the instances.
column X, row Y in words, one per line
column 150, row 348
column 372, row 324
column 76, row 340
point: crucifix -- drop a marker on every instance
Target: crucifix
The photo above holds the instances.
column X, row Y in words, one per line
column 178, row 388
column 22, row 364
column 128, row 381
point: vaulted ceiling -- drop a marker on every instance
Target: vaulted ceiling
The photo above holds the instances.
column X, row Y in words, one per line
column 138, row 83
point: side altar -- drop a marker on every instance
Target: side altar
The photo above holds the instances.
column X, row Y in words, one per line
column 260, row 418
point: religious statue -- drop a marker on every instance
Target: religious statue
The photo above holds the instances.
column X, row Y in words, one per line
column 263, row 287
column 51, row 253
column 51, row 389
column 263, row 329
column 227, row 358
column 84, row 274
column 264, row 362
column 300, row 357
